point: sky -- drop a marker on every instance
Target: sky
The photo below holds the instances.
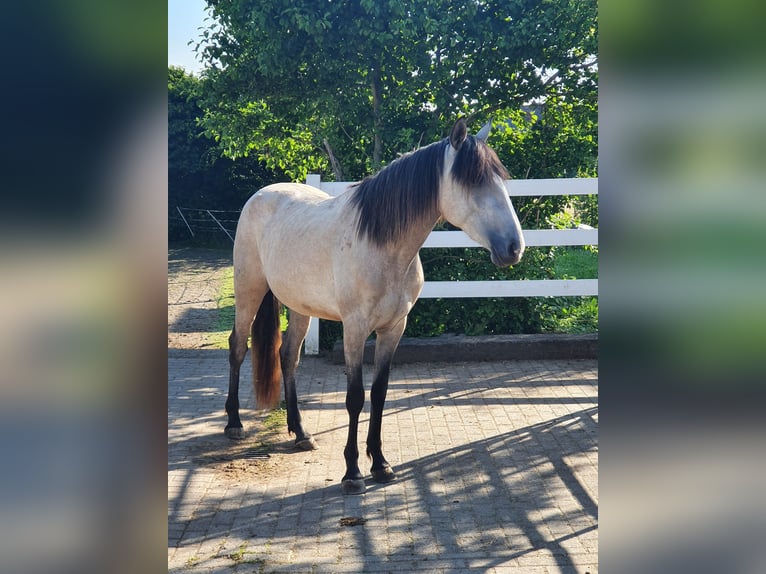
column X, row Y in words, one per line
column 184, row 19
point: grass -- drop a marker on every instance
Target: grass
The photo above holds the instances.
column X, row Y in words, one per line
column 576, row 263
column 275, row 420
column 572, row 314
column 271, row 428
column 218, row 338
column 238, row 555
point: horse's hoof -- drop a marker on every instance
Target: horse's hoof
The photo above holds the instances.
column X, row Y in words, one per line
column 353, row 486
column 234, row 433
column 307, row 443
column 383, row 475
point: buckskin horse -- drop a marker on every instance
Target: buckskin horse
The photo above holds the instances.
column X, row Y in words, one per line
column 354, row 258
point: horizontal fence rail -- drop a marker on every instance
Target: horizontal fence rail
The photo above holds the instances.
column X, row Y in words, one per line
column 515, row 187
column 533, row 238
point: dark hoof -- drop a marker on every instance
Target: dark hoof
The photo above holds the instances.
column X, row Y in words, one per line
column 307, row 443
column 234, row 433
column 383, row 475
column 353, row 486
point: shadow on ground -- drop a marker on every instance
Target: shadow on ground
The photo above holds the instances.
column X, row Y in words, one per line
column 497, row 501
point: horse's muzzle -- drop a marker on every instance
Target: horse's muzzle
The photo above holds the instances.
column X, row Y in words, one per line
column 509, row 254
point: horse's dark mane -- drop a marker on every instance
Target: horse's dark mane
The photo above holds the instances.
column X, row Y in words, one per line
column 402, row 193
column 476, row 164
column 407, row 190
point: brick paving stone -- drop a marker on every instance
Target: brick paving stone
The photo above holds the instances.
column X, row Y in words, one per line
column 496, row 464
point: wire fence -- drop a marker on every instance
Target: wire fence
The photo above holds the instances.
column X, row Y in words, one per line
column 203, row 225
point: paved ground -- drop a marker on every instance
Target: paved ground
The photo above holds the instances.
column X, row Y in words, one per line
column 496, row 463
column 194, row 280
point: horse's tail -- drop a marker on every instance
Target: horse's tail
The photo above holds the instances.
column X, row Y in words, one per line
column 267, row 339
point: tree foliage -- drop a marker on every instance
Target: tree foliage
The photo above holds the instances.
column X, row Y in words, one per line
column 188, row 152
column 296, row 82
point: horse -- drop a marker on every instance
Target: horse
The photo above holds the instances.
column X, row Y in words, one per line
column 354, row 258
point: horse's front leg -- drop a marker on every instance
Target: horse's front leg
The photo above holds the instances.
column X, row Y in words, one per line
column 385, row 346
column 353, row 348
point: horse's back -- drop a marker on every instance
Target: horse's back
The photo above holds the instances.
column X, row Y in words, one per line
column 290, row 231
column 272, row 198
column 275, row 201
column 296, row 191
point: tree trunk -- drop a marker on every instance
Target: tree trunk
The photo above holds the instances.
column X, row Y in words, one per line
column 336, row 169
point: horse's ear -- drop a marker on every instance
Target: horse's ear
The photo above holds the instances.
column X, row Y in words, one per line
column 484, row 132
column 459, row 133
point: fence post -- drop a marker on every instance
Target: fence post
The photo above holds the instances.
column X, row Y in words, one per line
column 220, row 225
column 184, row 220
column 314, row 180
column 311, row 345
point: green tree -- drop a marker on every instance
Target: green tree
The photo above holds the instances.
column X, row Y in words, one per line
column 346, row 85
column 188, row 151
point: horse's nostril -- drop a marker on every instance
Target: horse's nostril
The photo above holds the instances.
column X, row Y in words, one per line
column 514, row 247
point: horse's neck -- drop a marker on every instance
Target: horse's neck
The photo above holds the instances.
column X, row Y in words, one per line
column 408, row 246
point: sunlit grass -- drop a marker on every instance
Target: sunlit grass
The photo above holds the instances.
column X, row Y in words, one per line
column 218, row 338
column 572, row 314
column 576, row 263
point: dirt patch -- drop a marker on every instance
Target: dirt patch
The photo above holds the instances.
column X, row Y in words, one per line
column 194, row 281
column 241, row 469
column 265, row 451
column 267, row 456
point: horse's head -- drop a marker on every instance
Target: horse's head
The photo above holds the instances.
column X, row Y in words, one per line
column 473, row 195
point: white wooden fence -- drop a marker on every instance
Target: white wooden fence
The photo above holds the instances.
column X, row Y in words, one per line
column 533, row 237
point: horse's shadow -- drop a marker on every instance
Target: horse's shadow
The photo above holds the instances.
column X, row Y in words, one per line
column 492, row 500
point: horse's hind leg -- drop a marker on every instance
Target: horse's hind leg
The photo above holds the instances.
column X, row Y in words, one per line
column 290, row 353
column 237, row 350
column 385, row 346
column 247, row 300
